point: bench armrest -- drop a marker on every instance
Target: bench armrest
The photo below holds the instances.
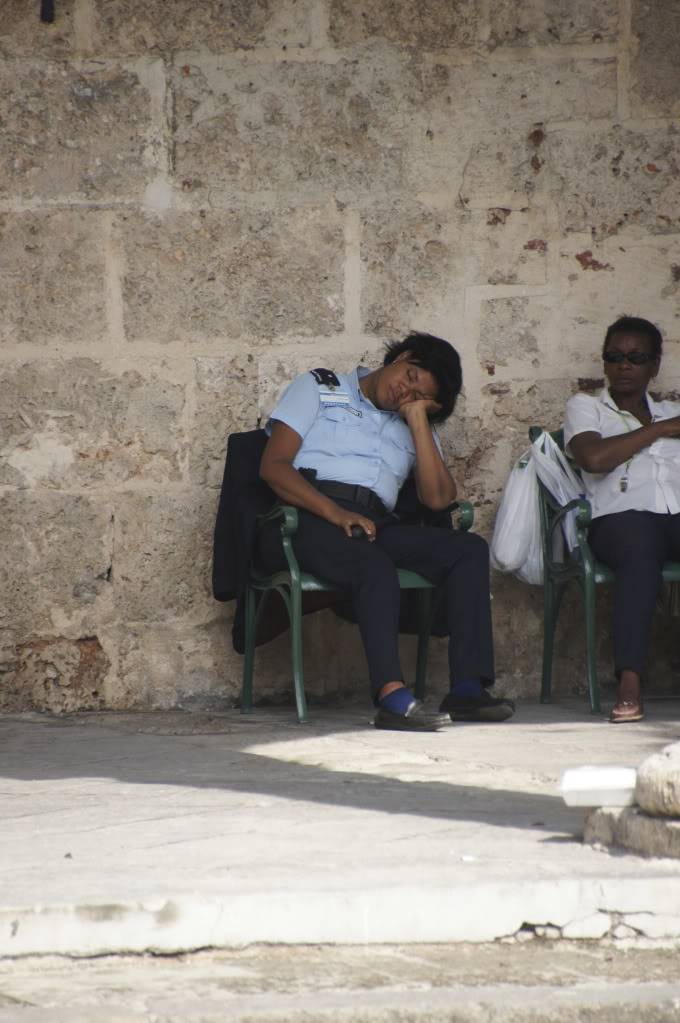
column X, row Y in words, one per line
column 582, row 521
column 281, row 511
column 464, row 515
column 289, row 523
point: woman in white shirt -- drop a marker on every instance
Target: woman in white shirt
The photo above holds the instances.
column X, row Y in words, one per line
column 627, row 446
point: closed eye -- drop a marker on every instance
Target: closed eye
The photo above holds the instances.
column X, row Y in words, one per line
column 412, row 377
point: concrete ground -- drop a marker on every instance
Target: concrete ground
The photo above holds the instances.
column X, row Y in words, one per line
column 170, row 833
column 534, row 982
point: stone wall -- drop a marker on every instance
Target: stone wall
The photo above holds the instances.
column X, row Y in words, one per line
column 199, row 200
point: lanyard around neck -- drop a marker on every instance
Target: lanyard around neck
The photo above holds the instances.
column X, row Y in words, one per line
column 623, row 480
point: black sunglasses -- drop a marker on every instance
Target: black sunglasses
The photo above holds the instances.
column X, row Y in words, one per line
column 635, row 358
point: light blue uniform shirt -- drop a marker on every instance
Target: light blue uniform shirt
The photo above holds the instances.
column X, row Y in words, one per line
column 345, row 437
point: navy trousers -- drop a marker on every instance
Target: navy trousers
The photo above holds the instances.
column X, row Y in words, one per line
column 367, row 572
column 635, row 545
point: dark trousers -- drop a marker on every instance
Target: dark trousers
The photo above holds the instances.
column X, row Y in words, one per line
column 635, row 545
column 368, row 573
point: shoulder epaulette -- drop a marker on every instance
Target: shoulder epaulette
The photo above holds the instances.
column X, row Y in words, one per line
column 325, row 377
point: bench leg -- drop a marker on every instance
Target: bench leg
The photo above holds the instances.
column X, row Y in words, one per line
column 424, row 625
column 591, row 645
column 249, row 656
column 295, row 610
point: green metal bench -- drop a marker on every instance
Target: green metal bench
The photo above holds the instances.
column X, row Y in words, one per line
column 581, row 566
column 291, row 583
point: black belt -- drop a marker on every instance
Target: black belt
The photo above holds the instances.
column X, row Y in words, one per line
column 362, row 496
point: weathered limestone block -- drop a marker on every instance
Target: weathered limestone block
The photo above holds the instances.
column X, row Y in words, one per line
column 75, row 422
column 125, row 26
column 475, row 97
column 362, row 127
column 509, row 246
column 657, row 787
column 654, row 68
column 56, row 675
column 635, row 830
column 226, row 402
column 564, row 330
column 55, row 572
column 548, row 22
column 478, row 456
column 435, row 163
column 84, row 132
column 608, row 182
column 603, row 279
column 163, row 545
column 509, row 332
column 428, row 26
column 516, row 650
column 520, row 404
column 290, row 127
column 52, row 277
column 197, row 668
column 417, row 262
column 162, row 666
column 499, row 167
column 239, row 274
column 462, row 435
column 22, row 32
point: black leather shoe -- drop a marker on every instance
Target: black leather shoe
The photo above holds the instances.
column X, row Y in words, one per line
column 416, row 719
column 477, row 708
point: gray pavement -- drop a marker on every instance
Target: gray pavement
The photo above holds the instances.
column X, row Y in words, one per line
column 173, row 832
column 535, row 982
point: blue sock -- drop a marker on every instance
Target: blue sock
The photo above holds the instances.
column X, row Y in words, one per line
column 467, row 687
column 398, row 701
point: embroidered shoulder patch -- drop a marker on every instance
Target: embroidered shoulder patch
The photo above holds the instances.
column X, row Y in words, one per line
column 325, row 378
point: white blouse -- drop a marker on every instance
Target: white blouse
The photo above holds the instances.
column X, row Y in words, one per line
column 650, row 480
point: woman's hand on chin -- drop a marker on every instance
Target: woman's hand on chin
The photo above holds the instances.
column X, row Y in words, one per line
column 421, row 408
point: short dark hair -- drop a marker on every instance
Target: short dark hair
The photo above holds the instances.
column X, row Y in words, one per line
column 640, row 328
column 440, row 359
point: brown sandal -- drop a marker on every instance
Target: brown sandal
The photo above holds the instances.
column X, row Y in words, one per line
column 626, row 710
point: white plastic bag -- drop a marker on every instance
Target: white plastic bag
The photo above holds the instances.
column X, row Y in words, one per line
column 516, row 542
column 531, row 569
column 558, row 477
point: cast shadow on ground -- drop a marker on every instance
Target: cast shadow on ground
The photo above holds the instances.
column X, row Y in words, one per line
column 49, row 749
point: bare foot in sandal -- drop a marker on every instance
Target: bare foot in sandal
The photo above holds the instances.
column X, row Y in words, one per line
column 628, row 706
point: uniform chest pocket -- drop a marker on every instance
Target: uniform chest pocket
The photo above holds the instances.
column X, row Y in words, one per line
column 351, row 433
column 340, row 413
column 343, row 417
